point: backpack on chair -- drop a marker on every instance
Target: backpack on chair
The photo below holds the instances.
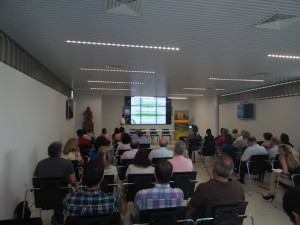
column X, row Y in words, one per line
column 19, row 211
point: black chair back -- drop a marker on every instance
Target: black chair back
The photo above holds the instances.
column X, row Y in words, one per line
column 222, row 213
column 140, row 181
column 194, row 144
column 209, row 149
column 123, row 168
column 182, row 180
column 296, row 178
column 260, row 142
column 257, row 165
column 154, row 160
column 166, row 216
column 50, row 192
column 76, row 167
column 31, row 221
column 276, row 163
column 107, row 179
column 103, row 219
column 120, row 152
column 231, row 151
column 144, row 146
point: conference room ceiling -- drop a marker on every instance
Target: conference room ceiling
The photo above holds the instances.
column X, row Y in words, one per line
column 217, row 39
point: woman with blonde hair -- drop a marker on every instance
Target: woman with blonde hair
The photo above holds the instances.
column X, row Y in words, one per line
column 289, row 161
column 71, row 151
column 107, row 161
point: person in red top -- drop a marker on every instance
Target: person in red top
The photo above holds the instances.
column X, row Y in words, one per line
column 221, row 139
column 82, row 140
column 118, row 135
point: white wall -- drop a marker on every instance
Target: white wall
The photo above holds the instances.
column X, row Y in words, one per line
column 31, row 117
column 203, row 114
column 94, row 101
column 277, row 116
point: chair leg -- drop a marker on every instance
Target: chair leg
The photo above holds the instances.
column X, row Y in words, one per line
column 249, row 176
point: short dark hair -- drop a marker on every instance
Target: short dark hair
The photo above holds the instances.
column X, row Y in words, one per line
column 121, row 129
column 141, row 158
column 251, row 139
column 224, row 165
column 208, row 132
column 55, row 149
column 79, row 132
column 163, row 170
column 140, row 134
column 100, row 141
column 125, row 138
column 134, row 144
column 116, row 130
column 104, row 131
column 235, row 131
column 291, row 203
column 225, row 131
column 93, row 173
column 268, row 136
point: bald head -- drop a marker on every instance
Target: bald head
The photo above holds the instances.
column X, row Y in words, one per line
column 134, row 144
column 275, row 141
column 163, row 142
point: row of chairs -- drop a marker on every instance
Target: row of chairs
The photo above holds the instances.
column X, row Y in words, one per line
column 153, row 133
column 214, row 215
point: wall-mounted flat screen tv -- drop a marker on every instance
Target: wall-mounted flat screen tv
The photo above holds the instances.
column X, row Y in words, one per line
column 69, row 109
column 245, row 111
column 148, row 110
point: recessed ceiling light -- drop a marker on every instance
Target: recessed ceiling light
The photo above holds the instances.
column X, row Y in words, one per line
column 220, row 89
column 195, row 95
column 124, row 71
column 143, row 96
column 112, row 89
column 233, row 79
column 205, row 89
column 284, row 56
column 112, row 82
column 123, row 45
column 200, row 89
column 177, row 98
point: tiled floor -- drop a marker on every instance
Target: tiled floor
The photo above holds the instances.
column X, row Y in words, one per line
column 264, row 212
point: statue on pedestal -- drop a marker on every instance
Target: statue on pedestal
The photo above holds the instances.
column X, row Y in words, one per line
column 88, row 119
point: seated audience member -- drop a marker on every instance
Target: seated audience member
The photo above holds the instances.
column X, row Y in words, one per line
column 91, row 201
column 242, row 143
column 71, row 151
column 221, row 139
column 162, row 152
column 100, row 141
column 284, row 139
column 273, row 148
column 142, row 139
column 267, row 136
column 253, row 149
column 217, row 191
column 221, row 133
column 86, row 136
column 140, row 164
column 291, row 204
column 134, row 145
column 135, row 136
column 106, row 160
column 209, row 138
column 90, row 133
column 116, row 131
column 235, row 134
column 54, row 166
column 125, row 143
column 104, row 133
column 162, row 195
column 227, row 143
column 117, row 136
column 179, row 163
column 241, row 136
column 193, row 139
column 289, row 161
column 81, row 139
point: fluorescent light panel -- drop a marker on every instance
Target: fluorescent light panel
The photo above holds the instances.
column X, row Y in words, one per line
column 233, row 79
column 205, row 89
column 143, row 96
column 124, row 71
column 259, row 88
column 284, row 56
column 192, row 95
column 112, row 89
column 112, row 82
column 177, row 97
column 124, row 45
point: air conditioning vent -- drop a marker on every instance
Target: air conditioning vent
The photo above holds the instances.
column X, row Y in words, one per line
column 124, row 7
column 278, row 21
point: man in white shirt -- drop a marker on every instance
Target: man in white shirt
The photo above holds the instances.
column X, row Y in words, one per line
column 273, row 147
column 253, row 149
column 162, row 152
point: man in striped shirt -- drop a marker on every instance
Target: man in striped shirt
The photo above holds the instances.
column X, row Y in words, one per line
column 162, row 195
column 91, row 201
